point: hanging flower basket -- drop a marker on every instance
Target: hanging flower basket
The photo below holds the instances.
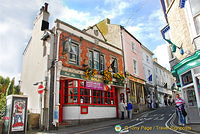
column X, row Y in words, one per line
column 107, row 77
column 89, row 73
column 119, row 77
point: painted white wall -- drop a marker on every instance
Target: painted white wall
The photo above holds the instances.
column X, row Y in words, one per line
column 147, row 65
column 34, row 67
column 74, row 112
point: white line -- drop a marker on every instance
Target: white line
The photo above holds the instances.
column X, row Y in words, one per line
column 138, row 123
column 170, row 128
column 125, row 131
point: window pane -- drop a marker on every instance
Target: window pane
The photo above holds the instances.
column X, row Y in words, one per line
column 111, row 94
column 81, row 99
column 102, row 100
column 197, row 23
column 98, row 93
column 195, row 4
column 94, row 92
column 86, row 99
column 106, row 100
column 70, row 83
column 108, row 94
column 96, row 60
column 82, row 83
column 94, row 100
column 75, row 91
column 102, row 94
column 86, row 91
column 70, row 99
column 98, row 100
column 102, row 62
column 75, row 99
column 75, row 83
column 109, row 101
column 90, row 59
column 82, row 91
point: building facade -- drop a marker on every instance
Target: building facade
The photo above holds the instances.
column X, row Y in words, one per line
column 82, row 74
column 164, row 84
column 147, row 60
column 132, row 53
column 183, row 27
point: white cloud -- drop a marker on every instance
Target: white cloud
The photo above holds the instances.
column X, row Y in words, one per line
column 162, row 55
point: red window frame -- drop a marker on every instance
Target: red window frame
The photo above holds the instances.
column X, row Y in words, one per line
column 86, row 96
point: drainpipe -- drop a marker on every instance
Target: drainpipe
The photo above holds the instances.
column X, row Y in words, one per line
column 121, row 28
column 52, row 83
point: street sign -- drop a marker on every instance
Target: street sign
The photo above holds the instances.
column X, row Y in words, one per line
column 40, row 89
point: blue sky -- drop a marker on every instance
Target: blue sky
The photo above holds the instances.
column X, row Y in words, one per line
column 142, row 18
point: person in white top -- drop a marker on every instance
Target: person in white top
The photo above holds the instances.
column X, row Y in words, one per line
column 122, row 109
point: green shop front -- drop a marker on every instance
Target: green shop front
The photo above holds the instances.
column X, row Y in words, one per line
column 187, row 73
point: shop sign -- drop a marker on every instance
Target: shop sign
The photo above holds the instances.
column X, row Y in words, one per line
column 70, row 74
column 136, row 80
column 94, row 85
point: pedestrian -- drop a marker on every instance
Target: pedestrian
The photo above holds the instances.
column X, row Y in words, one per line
column 122, row 109
column 129, row 108
column 180, row 109
column 157, row 103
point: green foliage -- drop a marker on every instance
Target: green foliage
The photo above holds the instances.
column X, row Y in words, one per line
column 10, row 88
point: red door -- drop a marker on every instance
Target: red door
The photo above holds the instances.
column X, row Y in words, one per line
column 61, row 99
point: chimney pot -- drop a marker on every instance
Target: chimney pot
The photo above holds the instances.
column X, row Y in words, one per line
column 46, row 7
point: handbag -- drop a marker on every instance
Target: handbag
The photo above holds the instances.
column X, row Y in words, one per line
column 184, row 112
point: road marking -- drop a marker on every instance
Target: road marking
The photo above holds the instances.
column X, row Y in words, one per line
column 170, row 114
column 172, row 124
column 126, row 131
column 170, row 128
column 162, row 114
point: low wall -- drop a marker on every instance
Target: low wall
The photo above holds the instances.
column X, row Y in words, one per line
column 33, row 121
column 1, row 126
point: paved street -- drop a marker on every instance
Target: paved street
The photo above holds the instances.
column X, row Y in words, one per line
column 160, row 121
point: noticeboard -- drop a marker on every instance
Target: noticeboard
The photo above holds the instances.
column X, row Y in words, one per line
column 15, row 120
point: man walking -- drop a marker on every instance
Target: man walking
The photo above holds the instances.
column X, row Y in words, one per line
column 129, row 108
column 180, row 107
column 122, row 109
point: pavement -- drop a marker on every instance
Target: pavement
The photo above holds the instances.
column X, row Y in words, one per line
column 159, row 121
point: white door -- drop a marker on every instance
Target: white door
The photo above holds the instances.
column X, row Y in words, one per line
column 191, row 105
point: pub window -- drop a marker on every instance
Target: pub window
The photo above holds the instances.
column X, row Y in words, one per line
column 96, row 60
column 114, row 65
column 74, row 53
column 76, row 93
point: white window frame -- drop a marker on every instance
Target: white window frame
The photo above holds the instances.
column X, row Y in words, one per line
column 135, row 65
column 133, row 47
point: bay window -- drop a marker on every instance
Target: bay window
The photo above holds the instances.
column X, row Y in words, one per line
column 195, row 4
column 75, row 92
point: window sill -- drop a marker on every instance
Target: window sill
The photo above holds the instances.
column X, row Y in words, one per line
column 91, row 105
